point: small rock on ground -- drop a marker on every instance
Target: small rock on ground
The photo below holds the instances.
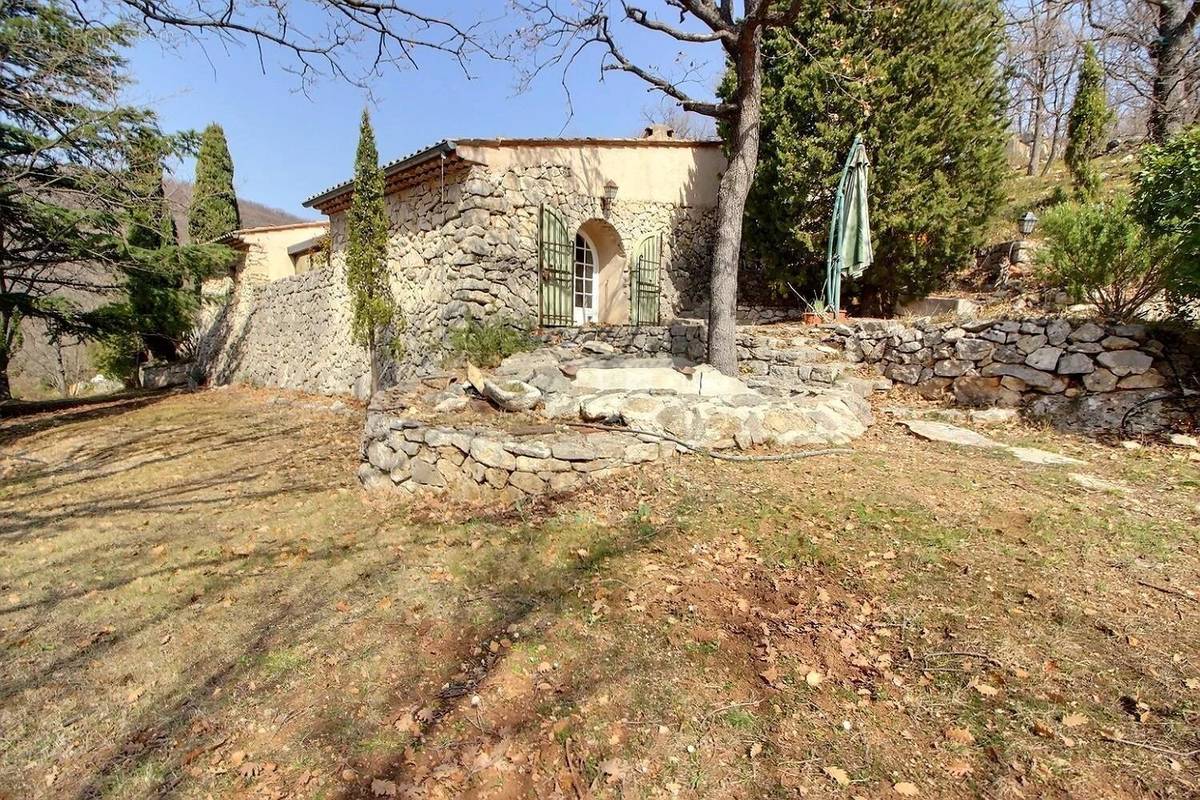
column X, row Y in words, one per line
column 1096, row 484
column 1032, row 455
column 952, row 434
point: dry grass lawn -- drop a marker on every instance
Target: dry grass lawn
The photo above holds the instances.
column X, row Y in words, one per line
column 196, row 600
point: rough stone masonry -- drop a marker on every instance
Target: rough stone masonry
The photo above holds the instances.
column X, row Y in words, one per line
column 1080, row 374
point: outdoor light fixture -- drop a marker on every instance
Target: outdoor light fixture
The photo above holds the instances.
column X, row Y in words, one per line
column 610, row 194
column 1025, row 223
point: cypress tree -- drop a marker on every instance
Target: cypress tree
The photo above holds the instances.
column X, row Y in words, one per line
column 366, row 252
column 1087, row 125
column 918, row 79
column 159, row 311
column 214, row 210
column 150, row 223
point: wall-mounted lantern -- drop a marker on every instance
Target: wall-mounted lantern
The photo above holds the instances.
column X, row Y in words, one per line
column 610, row 194
column 1026, row 223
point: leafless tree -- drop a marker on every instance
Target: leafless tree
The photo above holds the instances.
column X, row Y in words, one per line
column 560, row 31
column 59, row 362
column 685, row 124
column 1042, row 54
column 1151, row 48
column 350, row 40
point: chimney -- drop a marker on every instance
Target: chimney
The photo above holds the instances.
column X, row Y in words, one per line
column 658, row 132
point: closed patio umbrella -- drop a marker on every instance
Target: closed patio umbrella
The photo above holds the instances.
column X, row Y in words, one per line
column 850, row 250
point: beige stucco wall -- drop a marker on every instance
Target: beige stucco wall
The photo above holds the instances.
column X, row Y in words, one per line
column 669, row 172
column 265, row 257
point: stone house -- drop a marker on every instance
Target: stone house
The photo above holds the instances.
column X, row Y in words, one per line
column 546, row 232
column 541, row 232
column 271, row 252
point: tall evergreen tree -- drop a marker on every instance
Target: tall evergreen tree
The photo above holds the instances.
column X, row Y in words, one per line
column 366, row 252
column 918, row 78
column 214, row 209
column 160, row 303
column 1087, row 125
column 160, row 307
column 65, row 139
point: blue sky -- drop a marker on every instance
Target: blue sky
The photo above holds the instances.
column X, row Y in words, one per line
column 288, row 144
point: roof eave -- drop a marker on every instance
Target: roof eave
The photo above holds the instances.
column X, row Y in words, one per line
column 307, row 246
column 438, row 150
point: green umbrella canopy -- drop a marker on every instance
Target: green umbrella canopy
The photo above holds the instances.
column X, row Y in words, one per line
column 850, row 250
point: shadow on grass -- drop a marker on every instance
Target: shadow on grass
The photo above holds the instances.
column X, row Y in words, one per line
column 49, row 418
column 554, row 591
column 504, row 587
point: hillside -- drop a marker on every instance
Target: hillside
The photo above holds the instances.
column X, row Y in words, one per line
column 254, row 215
column 1038, row 192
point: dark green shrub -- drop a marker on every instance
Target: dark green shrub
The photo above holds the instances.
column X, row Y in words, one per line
column 1167, row 201
column 486, row 344
column 1099, row 253
column 116, row 357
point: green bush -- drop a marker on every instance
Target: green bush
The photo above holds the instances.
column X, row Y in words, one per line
column 116, row 356
column 486, row 344
column 1167, row 201
column 1099, row 253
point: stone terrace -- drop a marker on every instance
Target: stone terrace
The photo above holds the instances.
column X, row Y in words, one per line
column 580, row 409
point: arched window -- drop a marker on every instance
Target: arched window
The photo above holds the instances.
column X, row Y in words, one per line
column 644, row 281
column 584, row 300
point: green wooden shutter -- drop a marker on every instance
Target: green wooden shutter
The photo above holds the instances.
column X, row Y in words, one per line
column 644, row 286
column 555, row 269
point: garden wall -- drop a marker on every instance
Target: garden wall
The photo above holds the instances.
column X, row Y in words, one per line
column 413, row 455
column 787, row 355
column 1081, row 375
column 292, row 333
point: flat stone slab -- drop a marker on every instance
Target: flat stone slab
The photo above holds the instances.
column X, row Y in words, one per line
column 701, row 381
column 952, row 434
column 1032, row 455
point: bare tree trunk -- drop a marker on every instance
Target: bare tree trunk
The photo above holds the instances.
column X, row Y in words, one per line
column 60, row 369
column 5, row 387
column 731, row 206
column 1175, row 22
column 373, row 358
column 8, row 337
column 1035, row 147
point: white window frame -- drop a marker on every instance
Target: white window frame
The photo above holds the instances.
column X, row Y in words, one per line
column 584, row 288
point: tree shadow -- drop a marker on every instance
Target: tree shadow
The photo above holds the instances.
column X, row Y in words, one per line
column 463, row 672
column 120, row 455
column 27, row 425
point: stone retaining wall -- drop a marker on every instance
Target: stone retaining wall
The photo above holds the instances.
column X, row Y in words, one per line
column 1081, row 373
column 414, row 455
column 787, row 356
column 292, row 333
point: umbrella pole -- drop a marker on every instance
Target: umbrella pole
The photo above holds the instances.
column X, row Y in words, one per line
column 833, row 261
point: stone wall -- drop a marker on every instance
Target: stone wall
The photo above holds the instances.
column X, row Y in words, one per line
column 413, row 455
column 789, row 356
column 467, row 248
column 753, row 314
column 1083, row 374
column 292, row 333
